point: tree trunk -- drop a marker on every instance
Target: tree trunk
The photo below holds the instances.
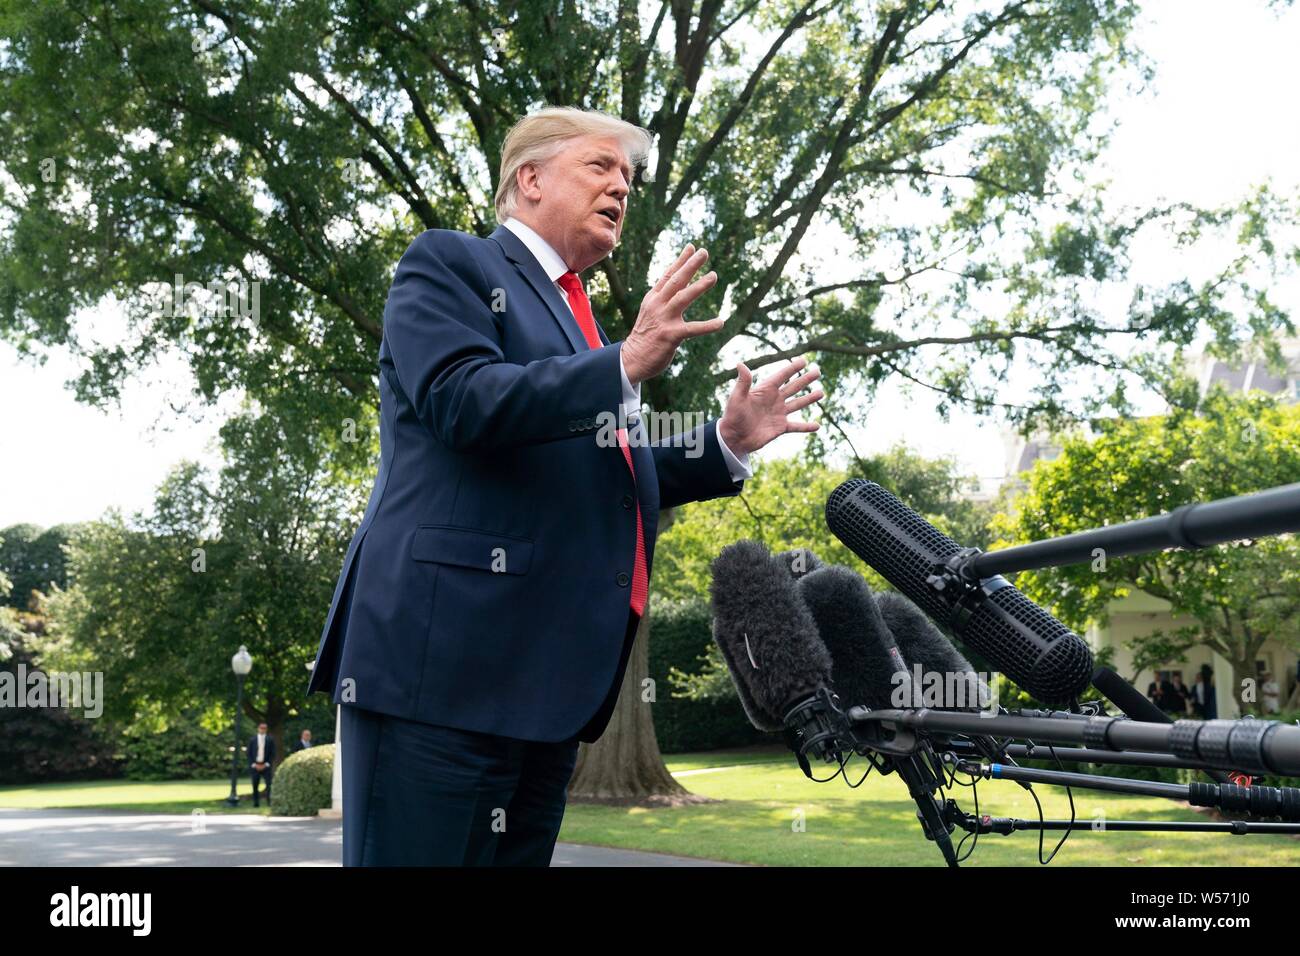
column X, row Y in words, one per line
column 624, row 767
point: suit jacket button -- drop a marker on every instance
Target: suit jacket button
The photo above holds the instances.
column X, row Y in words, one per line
column 627, row 501
column 622, row 579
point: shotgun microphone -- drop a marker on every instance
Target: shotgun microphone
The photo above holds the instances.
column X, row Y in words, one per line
column 1026, row 643
column 766, row 634
column 866, row 663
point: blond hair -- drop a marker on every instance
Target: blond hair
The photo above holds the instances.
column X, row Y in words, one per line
column 539, row 136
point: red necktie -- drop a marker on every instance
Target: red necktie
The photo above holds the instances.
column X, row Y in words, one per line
column 581, row 306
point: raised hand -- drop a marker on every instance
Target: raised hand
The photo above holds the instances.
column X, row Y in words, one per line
column 757, row 414
column 661, row 325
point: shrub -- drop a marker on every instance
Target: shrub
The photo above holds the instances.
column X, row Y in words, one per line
column 681, row 633
column 180, row 750
column 303, row 783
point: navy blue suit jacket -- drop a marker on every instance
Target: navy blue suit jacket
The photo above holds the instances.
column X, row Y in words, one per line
column 487, row 587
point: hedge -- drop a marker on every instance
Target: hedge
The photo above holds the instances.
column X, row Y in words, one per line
column 680, row 634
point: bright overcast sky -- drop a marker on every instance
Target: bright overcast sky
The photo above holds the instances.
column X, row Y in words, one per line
column 1219, row 119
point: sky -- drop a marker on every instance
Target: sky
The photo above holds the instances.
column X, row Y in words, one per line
column 1218, row 119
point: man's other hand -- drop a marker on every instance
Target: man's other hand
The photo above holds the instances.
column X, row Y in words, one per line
column 757, row 414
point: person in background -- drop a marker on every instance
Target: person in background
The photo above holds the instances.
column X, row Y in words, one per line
column 1179, row 702
column 1211, row 704
column 1168, row 697
column 261, row 760
column 1200, row 694
column 1154, row 694
column 304, row 741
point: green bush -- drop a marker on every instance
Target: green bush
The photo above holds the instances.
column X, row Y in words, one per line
column 182, row 750
column 304, row 782
column 40, row 744
column 681, row 633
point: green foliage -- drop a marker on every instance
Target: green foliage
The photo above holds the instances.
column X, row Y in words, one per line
column 783, row 506
column 303, row 144
column 46, row 743
column 932, row 487
column 303, row 783
column 681, row 637
column 175, row 749
column 1230, row 598
column 161, row 603
column 32, row 559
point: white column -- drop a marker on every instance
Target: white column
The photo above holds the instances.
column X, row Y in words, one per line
column 335, row 810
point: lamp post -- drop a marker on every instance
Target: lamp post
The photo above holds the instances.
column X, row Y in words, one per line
column 241, row 663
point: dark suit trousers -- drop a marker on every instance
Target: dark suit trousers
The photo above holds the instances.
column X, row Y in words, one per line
column 265, row 777
column 418, row 794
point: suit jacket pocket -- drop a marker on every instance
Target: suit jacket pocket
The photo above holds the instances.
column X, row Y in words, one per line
column 470, row 548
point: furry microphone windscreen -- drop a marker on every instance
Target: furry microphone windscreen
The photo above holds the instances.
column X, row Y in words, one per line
column 854, row 632
column 766, row 634
column 923, row 644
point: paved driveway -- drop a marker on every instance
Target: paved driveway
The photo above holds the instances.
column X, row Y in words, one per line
column 123, row 838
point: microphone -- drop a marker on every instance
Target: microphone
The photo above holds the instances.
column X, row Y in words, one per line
column 1137, row 707
column 866, row 663
column 767, row 636
column 925, row 645
column 869, row 668
column 1026, row 643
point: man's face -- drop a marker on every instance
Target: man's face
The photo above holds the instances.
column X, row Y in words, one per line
column 577, row 200
column 306, row 735
column 261, row 728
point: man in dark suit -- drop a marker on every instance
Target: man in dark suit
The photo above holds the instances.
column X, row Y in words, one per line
column 304, row 741
column 488, row 602
column 261, row 761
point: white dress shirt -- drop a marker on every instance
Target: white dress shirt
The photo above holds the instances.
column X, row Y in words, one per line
column 554, row 267
column 261, row 749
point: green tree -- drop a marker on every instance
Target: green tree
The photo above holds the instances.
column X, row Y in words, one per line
column 1233, row 596
column 33, row 559
column 161, row 603
column 301, row 145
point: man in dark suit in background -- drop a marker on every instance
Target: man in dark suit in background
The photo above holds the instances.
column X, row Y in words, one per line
column 261, row 761
column 304, row 741
column 488, row 602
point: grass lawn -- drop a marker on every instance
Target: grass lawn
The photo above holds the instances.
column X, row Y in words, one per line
column 875, row 825
column 762, row 793
column 165, row 796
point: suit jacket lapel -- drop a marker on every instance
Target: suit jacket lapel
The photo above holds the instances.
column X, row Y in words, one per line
column 518, row 253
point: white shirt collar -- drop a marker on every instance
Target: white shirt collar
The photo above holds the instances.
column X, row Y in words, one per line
column 546, row 256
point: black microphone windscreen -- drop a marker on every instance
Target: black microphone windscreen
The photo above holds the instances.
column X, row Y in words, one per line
column 1030, row 646
column 856, row 635
column 925, row 646
column 766, row 634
